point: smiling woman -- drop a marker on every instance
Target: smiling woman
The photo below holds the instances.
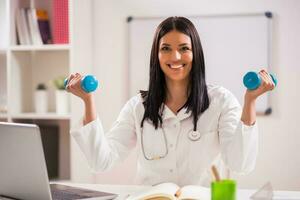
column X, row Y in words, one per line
column 180, row 125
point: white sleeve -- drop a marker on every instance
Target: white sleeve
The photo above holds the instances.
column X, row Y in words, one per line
column 239, row 142
column 103, row 150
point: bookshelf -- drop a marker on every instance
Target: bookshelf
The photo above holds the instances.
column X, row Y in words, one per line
column 23, row 67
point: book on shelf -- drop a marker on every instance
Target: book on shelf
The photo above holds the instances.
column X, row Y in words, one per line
column 171, row 191
column 33, row 26
column 60, row 21
column 44, row 26
column 22, row 28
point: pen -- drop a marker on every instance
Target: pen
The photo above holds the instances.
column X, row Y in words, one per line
column 178, row 193
column 215, row 173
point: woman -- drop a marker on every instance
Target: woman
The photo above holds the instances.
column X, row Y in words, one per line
column 181, row 125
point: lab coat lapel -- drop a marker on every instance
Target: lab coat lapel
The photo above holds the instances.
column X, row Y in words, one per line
column 167, row 113
column 183, row 114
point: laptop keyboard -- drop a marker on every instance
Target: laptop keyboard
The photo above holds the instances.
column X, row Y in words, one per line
column 65, row 195
column 63, row 192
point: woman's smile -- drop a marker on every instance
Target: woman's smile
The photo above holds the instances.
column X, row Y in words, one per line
column 176, row 66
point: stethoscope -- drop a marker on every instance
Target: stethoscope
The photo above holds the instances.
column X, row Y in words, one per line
column 192, row 135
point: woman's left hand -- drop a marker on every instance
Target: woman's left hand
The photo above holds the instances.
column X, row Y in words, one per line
column 267, row 84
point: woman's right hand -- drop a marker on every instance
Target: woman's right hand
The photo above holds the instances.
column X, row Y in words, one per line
column 74, row 86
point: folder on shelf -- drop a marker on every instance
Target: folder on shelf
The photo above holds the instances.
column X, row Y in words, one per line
column 32, row 26
column 60, row 22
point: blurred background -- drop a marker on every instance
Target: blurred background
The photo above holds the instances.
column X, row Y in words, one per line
column 43, row 41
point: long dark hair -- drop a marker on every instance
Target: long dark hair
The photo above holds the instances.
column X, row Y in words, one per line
column 198, row 100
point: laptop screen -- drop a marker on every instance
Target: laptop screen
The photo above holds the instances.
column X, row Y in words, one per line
column 23, row 172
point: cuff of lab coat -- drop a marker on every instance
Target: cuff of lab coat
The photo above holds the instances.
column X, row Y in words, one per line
column 79, row 128
column 246, row 129
column 244, row 150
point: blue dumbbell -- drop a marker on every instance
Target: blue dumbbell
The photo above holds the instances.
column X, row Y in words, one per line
column 252, row 80
column 89, row 83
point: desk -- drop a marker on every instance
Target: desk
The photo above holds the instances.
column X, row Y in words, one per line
column 124, row 190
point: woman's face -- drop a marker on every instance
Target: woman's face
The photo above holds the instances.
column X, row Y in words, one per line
column 175, row 56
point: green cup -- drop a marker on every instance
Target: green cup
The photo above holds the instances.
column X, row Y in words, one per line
column 223, row 190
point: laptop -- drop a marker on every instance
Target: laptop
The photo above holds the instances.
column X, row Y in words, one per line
column 23, row 171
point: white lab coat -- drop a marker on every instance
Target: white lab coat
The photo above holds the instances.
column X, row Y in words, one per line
column 224, row 140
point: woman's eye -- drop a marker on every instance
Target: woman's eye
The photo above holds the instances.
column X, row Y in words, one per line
column 185, row 49
column 165, row 48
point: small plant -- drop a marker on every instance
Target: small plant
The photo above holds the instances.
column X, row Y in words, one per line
column 41, row 86
column 59, row 83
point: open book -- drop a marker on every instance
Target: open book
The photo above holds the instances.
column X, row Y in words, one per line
column 171, row 191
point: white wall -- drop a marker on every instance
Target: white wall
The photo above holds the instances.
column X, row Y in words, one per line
column 82, row 40
column 278, row 159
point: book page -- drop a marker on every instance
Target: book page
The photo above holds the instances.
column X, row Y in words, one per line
column 161, row 191
column 195, row 192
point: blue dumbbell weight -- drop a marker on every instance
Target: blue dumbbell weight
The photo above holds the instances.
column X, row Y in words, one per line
column 252, row 80
column 89, row 83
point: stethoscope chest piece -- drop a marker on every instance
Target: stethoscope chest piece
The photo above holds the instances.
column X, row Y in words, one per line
column 194, row 135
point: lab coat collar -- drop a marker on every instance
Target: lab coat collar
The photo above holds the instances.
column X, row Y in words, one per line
column 183, row 114
column 168, row 113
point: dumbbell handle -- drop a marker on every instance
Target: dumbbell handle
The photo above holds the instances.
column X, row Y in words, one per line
column 252, row 80
column 88, row 83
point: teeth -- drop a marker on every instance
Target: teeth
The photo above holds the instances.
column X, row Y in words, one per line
column 176, row 66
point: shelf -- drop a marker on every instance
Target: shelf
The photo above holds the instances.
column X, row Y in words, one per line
column 41, row 116
column 47, row 47
column 23, row 67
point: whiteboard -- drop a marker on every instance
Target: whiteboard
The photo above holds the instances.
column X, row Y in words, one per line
column 232, row 46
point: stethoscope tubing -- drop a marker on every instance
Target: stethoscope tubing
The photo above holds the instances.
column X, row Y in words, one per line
column 193, row 136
